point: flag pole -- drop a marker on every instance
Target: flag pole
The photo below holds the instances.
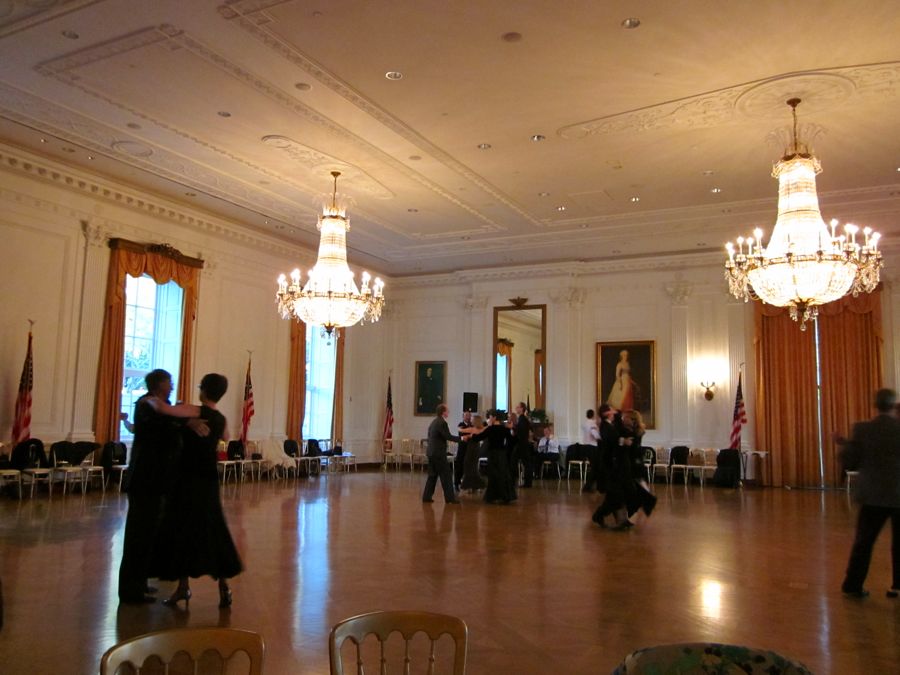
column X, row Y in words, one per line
column 819, row 431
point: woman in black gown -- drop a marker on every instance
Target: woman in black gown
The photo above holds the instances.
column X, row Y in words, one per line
column 500, row 485
column 471, row 478
column 193, row 538
column 638, row 495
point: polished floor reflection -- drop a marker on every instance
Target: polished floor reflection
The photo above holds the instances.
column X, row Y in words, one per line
column 541, row 588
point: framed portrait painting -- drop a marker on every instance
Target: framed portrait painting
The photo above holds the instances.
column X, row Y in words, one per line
column 626, row 377
column 431, row 386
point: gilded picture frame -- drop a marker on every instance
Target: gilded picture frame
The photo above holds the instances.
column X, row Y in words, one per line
column 431, row 387
column 626, row 377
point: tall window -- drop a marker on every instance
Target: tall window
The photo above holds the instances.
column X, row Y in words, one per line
column 153, row 320
column 321, row 355
column 502, row 396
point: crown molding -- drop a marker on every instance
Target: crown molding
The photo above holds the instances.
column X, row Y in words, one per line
column 19, row 161
column 569, row 270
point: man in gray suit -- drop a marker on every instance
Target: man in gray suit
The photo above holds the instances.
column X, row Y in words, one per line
column 438, row 466
column 874, row 451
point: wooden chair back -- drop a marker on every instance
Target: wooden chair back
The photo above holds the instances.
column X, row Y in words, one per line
column 194, row 642
column 408, row 623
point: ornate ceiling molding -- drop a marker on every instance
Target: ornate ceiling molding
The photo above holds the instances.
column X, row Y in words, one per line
column 318, row 163
column 819, row 89
column 571, row 270
column 251, row 17
column 65, row 177
column 49, row 118
column 18, row 15
column 64, row 69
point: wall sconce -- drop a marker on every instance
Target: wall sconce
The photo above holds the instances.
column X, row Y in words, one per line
column 709, row 386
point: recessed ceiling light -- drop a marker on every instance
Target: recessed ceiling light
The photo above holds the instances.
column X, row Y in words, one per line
column 512, row 37
column 267, row 222
column 538, row 138
column 413, row 210
column 484, row 146
column 303, row 86
column 90, row 157
column 716, row 190
column 583, row 226
column 631, row 22
column 394, row 75
column 635, row 199
column 70, row 34
column 44, row 140
column 223, row 113
column 543, row 194
column 561, row 208
column 708, row 172
column 415, row 158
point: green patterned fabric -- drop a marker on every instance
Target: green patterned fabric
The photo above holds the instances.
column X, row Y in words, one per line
column 704, row 658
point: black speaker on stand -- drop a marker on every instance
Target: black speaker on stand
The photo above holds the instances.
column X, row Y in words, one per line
column 470, row 401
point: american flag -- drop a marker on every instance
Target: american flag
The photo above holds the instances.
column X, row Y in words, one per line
column 740, row 417
column 22, row 422
column 248, row 406
column 388, row 432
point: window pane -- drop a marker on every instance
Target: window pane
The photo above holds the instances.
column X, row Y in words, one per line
column 502, row 393
column 321, row 355
column 153, row 320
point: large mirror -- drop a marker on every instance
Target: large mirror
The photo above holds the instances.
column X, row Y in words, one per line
column 520, row 355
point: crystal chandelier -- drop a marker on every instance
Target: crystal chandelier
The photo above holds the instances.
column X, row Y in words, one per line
column 330, row 298
column 804, row 265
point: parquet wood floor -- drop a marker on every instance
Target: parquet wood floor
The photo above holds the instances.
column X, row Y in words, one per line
column 542, row 589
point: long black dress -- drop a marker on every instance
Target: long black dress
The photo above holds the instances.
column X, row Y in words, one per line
column 471, row 478
column 193, row 536
column 500, row 484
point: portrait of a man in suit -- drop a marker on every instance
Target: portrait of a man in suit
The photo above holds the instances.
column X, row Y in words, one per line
column 430, row 386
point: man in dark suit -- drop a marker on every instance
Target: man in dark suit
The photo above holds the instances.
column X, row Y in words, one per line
column 156, row 439
column 874, row 451
column 438, row 466
column 601, row 455
column 524, row 446
column 461, row 449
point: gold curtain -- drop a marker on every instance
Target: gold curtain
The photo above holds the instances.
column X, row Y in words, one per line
column 337, row 416
column 164, row 264
column 538, row 380
column 851, row 349
column 296, row 407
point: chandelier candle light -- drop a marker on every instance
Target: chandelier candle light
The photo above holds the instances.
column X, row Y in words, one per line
column 804, row 265
column 330, row 298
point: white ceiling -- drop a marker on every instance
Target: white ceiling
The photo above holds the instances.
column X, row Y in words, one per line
column 691, row 100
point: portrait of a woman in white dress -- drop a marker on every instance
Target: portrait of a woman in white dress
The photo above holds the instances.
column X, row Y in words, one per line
column 621, row 395
column 626, row 377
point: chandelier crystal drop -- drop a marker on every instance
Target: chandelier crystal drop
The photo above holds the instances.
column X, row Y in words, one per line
column 804, row 264
column 330, row 298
